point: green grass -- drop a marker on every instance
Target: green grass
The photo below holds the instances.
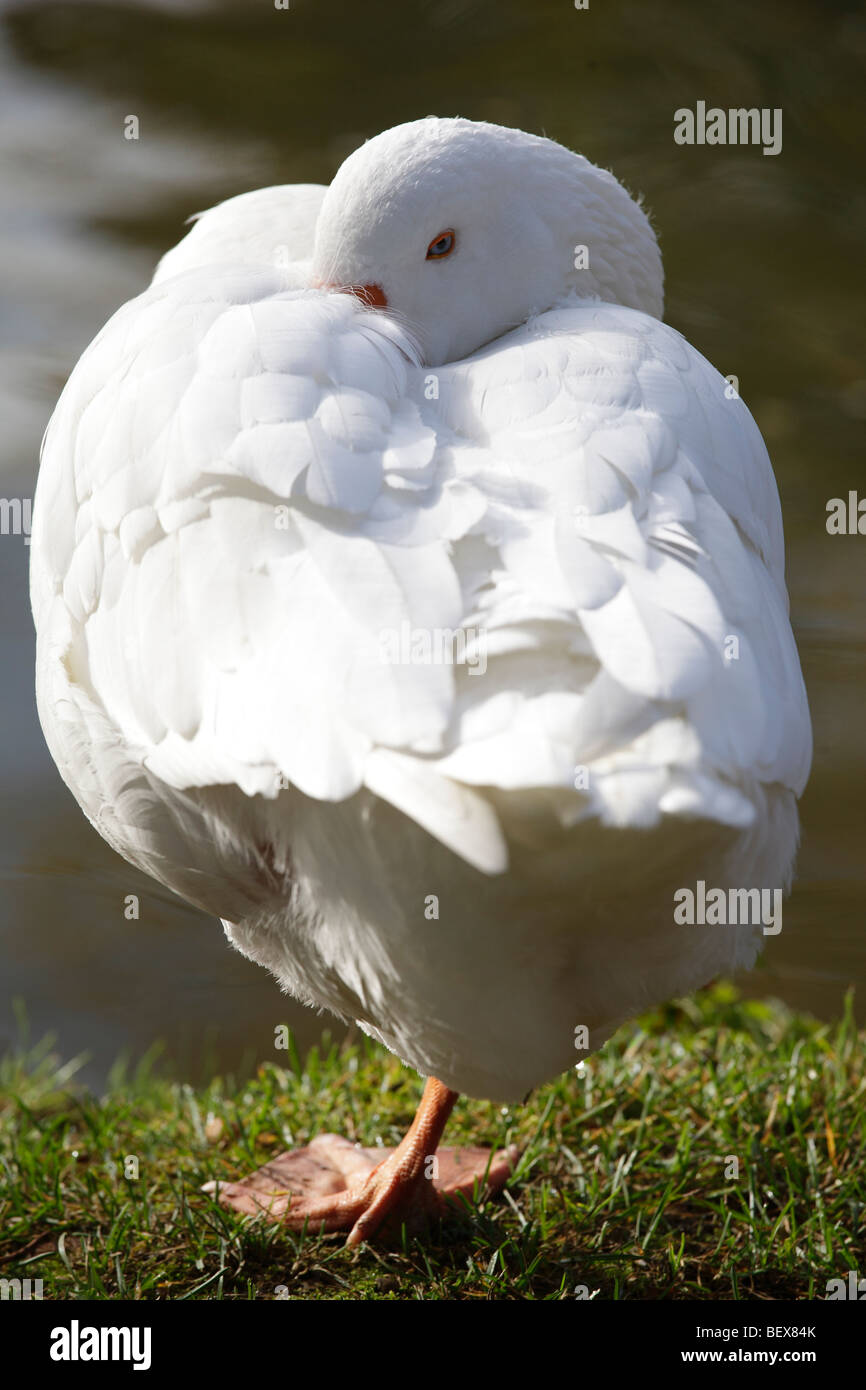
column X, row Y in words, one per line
column 622, row 1187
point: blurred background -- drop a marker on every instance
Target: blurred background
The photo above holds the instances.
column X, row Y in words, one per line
column 763, row 258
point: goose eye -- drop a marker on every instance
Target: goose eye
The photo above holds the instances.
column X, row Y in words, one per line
column 440, row 246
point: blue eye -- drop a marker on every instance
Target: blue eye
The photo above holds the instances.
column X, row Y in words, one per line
column 442, row 245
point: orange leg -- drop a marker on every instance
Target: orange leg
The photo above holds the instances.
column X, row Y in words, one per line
column 333, row 1185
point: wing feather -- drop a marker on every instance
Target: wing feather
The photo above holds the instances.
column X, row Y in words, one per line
column 285, row 564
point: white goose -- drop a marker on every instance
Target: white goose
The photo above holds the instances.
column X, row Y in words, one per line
column 432, row 635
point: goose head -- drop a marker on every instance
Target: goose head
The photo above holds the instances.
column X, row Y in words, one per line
column 463, row 230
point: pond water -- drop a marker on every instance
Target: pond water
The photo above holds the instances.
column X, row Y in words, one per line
column 763, row 259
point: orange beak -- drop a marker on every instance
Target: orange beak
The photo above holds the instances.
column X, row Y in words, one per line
column 372, row 296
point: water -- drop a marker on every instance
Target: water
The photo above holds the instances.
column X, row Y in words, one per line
column 763, row 259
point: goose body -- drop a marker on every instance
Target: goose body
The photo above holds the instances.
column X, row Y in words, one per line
column 432, row 646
